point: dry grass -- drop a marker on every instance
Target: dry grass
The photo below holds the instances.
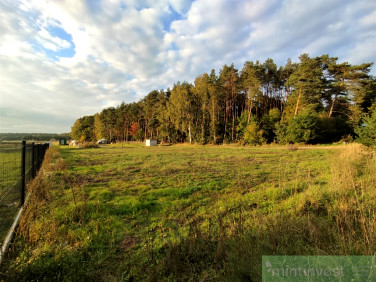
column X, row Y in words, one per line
column 354, row 199
column 39, row 191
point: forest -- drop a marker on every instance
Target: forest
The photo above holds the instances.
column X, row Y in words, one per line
column 32, row 136
column 315, row 100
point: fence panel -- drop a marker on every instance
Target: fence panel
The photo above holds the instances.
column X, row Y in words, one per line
column 10, row 184
column 19, row 163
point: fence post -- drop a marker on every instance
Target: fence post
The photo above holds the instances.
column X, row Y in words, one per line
column 40, row 156
column 23, row 176
column 32, row 160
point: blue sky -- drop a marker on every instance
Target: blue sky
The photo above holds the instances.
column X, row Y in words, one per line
column 64, row 52
column 66, row 48
column 64, row 59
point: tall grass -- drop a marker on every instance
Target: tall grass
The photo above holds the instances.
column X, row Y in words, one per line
column 353, row 187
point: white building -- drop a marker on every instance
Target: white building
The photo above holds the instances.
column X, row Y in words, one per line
column 151, row 142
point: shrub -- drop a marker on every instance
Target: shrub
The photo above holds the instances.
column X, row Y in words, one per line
column 253, row 134
column 303, row 128
column 367, row 131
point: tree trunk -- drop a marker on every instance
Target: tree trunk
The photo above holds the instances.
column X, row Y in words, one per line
column 335, row 99
column 332, row 106
column 214, row 123
column 226, row 114
column 190, row 134
column 250, row 111
column 145, row 130
column 297, row 102
column 250, row 104
column 233, row 127
column 126, row 134
column 203, row 126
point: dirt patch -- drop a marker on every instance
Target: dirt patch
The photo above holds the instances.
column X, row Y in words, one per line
column 128, row 243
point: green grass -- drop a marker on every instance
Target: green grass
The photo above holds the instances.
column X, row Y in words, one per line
column 186, row 212
column 10, row 167
column 10, row 174
column 10, row 182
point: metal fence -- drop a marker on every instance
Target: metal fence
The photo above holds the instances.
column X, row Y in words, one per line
column 19, row 163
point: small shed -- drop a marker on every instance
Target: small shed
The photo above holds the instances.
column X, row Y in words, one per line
column 102, row 141
column 63, row 141
column 151, row 142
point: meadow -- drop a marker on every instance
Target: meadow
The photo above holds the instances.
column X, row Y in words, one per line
column 191, row 212
column 10, row 166
column 10, row 175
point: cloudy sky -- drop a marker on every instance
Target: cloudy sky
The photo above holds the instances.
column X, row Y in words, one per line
column 63, row 59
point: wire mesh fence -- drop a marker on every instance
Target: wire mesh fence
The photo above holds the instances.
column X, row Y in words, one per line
column 19, row 163
column 10, row 181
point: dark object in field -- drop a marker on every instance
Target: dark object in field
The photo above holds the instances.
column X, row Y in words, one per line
column 291, row 145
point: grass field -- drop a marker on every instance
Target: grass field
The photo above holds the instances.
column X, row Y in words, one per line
column 10, row 182
column 191, row 212
column 10, row 166
column 10, row 174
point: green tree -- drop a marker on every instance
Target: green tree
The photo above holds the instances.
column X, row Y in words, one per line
column 242, row 125
column 202, row 90
column 215, row 107
column 108, row 118
column 367, row 130
column 149, row 108
column 229, row 81
column 350, row 89
column 166, row 128
column 253, row 133
column 308, row 86
column 98, row 127
column 76, row 130
column 251, row 76
column 182, row 108
column 286, row 72
column 304, row 127
column 271, row 80
column 369, row 101
column 269, row 124
column 83, row 129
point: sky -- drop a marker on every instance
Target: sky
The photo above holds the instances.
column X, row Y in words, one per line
column 64, row 59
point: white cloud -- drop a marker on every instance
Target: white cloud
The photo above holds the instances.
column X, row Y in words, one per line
column 124, row 49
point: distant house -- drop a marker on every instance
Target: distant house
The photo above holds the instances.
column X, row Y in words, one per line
column 150, row 142
column 61, row 141
column 102, row 141
column 73, row 143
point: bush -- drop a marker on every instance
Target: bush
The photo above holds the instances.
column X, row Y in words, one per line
column 89, row 145
column 367, row 131
column 304, row 128
column 269, row 123
column 253, row 134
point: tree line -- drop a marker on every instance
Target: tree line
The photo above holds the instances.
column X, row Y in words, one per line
column 315, row 100
column 32, row 136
